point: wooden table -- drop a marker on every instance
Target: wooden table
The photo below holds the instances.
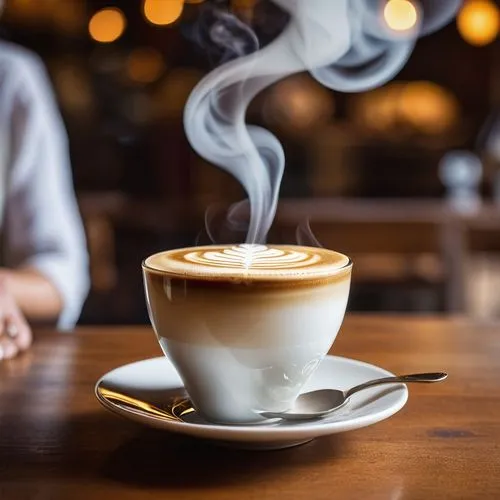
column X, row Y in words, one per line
column 56, row 442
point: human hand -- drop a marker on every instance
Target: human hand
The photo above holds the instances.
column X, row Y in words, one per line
column 15, row 333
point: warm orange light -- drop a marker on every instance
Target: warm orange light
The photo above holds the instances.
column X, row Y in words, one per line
column 107, row 25
column 171, row 97
column 74, row 88
column 243, row 4
column 421, row 106
column 429, row 107
column 377, row 110
column 162, row 12
column 69, row 17
column 298, row 104
column 145, row 65
column 27, row 11
column 400, row 15
column 479, row 22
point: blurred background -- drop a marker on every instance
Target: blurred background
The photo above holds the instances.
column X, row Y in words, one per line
column 405, row 178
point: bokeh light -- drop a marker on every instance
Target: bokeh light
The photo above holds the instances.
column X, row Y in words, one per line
column 69, row 17
column 74, row 88
column 107, row 25
column 298, row 104
column 377, row 110
column 420, row 107
column 27, row 12
column 24, row 10
column 144, row 65
column 427, row 106
column 162, row 12
column 479, row 22
column 400, row 15
column 170, row 98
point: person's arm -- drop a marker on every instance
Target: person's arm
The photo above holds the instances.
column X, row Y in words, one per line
column 35, row 295
column 44, row 244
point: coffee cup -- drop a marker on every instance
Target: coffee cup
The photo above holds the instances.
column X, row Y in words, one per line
column 246, row 325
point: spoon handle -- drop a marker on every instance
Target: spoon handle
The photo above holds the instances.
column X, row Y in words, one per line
column 417, row 377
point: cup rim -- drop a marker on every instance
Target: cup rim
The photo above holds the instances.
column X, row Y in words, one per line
column 227, row 278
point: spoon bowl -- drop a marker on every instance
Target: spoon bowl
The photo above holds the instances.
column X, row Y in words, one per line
column 320, row 403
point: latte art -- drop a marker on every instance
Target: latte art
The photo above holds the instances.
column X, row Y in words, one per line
column 253, row 257
column 264, row 263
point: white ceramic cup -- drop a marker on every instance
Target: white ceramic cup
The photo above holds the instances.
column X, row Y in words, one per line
column 246, row 326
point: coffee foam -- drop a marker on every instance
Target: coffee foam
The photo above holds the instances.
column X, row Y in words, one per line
column 249, row 263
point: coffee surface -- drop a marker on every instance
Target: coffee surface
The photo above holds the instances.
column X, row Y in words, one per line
column 249, row 262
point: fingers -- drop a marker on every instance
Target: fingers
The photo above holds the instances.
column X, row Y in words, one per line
column 15, row 337
column 15, row 333
column 18, row 331
column 8, row 349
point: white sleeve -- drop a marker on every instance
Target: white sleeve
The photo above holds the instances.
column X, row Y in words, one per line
column 43, row 228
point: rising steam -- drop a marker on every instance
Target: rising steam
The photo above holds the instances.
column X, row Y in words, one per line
column 344, row 44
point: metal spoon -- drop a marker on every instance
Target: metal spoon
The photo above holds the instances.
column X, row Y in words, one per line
column 317, row 404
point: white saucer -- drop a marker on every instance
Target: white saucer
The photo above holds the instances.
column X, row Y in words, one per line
column 151, row 393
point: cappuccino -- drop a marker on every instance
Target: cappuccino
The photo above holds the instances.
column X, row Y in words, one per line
column 250, row 263
column 246, row 325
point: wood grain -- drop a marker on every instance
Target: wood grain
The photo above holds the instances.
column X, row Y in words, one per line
column 56, row 442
